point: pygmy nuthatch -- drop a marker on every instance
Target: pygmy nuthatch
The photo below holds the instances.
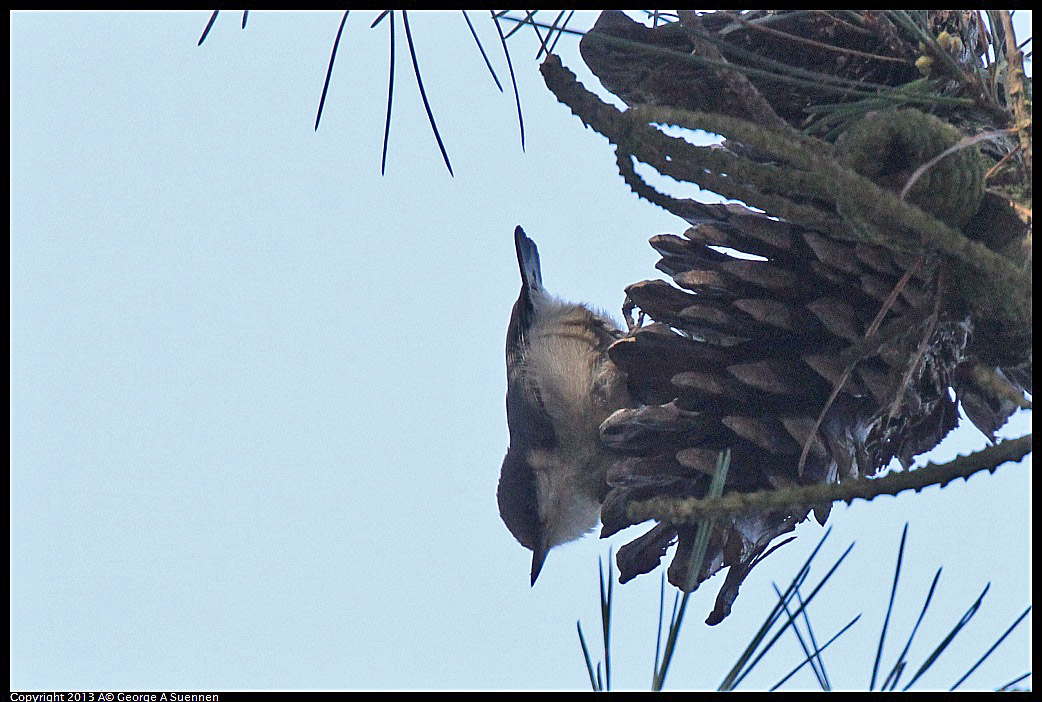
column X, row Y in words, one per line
column 560, row 387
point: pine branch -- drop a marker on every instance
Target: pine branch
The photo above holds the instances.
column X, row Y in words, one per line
column 689, row 511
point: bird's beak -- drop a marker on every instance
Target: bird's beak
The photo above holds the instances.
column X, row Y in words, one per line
column 538, row 558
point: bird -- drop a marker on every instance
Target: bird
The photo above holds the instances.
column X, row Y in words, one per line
column 561, row 386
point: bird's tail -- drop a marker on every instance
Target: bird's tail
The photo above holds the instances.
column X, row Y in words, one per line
column 528, row 260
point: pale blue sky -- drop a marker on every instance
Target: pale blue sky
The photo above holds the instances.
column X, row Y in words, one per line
column 257, row 388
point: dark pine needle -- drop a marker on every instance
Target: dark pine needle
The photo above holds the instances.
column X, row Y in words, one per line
column 208, row 25
column 423, row 93
column 329, row 71
column 482, row 50
column 513, row 80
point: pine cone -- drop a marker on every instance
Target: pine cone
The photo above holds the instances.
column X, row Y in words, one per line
column 822, row 356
